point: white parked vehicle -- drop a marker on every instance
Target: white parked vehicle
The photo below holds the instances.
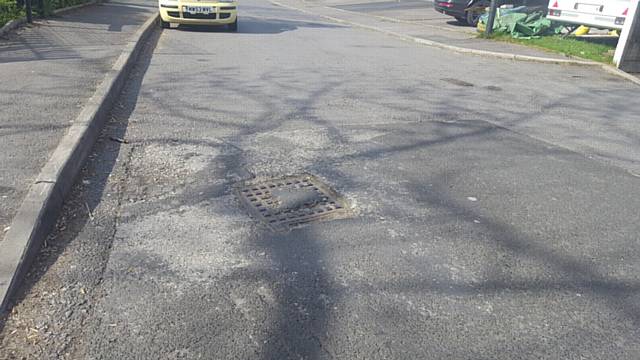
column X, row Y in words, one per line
column 603, row 14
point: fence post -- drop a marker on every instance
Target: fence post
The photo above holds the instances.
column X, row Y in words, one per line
column 492, row 17
column 28, row 11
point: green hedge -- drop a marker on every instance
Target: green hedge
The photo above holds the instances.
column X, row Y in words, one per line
column 9, row 10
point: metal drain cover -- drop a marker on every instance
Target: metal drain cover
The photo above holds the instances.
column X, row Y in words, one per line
column 292, row 201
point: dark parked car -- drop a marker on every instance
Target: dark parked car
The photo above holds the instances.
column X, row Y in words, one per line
column 469, row 11
column 459, row 9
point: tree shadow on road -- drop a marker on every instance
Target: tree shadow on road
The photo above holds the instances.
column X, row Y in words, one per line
column 298, row 319
column 258, row 26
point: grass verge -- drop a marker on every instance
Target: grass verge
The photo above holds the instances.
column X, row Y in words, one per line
column 595, row 49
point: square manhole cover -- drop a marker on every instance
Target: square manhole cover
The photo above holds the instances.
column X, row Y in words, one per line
column 292, row 201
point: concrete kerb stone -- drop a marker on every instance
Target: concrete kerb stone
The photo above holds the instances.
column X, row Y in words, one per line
column 14, row 24
column 485, row 53
column 39, row 211
column 617, row 72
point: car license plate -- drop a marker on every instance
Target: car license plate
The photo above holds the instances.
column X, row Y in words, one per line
column 198, row 9
column 588, row 8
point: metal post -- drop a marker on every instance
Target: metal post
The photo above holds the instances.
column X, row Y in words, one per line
column 492, row 17
column 28, row 10
column 627, row 56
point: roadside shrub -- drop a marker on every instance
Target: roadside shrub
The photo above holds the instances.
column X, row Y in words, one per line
column 9, row 11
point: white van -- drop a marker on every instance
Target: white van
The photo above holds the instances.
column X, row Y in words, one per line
column 603, row 14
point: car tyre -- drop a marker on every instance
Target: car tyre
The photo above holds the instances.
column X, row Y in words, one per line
column 472, row 18
column 234, row 26
column 461, row 20
column 165, row 24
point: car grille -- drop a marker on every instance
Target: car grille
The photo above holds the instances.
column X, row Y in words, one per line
column 175, row 14
column 199, row 16
column 225, row 15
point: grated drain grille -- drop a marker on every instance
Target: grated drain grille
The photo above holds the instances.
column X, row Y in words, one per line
column 292, row 201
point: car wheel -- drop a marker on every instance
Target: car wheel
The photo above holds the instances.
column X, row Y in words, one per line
column 165, row 24
column 461, row 20
column 472, row 18
column 234, row 26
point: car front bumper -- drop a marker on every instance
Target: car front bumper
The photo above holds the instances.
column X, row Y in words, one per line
column 223, row 13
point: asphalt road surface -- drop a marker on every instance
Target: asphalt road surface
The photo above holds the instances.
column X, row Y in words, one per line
column 388, row 5
column 480, row 226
